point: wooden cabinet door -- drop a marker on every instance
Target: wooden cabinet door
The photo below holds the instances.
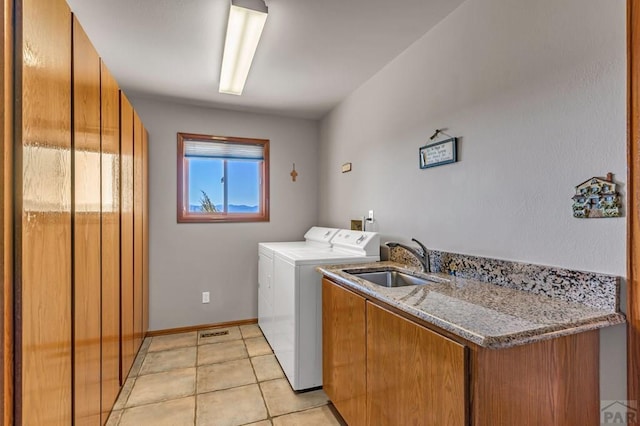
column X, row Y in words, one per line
column 86, row 235
column 126, row 237
column 43, row 218
column 138, row 233
column 110, row 158
column 6, row 211
column 344, row 351
column 145, row 231
column 414, row 376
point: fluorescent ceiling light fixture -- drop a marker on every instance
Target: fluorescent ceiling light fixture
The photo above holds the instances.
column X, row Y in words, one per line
column 246, row 21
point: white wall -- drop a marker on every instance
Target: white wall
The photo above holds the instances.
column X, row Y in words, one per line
column 222, row 258
column 536, row 91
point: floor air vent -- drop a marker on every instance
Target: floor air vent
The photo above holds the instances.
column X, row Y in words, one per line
column 213, row 333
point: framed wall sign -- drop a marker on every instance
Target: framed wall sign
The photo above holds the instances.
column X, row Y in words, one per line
column 438, row 153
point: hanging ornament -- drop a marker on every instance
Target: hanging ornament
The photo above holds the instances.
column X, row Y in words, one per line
column 293, row 173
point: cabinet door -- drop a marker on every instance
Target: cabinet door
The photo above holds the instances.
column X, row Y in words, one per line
column 43, row 219
column 138, row 234
column 110, row 155
column 126, row 236
column 344, row 351
column 414, row 376
column 6, row 211
column 86, row 235
column 145, row 231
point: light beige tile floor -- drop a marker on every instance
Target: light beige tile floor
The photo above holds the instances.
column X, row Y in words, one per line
column 223, row 376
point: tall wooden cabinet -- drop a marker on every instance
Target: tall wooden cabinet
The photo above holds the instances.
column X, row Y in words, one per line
column 43, row 179
column 79, row 190
column 126, row 234
column 137, row 230
column 6, row 212
column 110, row 164
column 86, row 205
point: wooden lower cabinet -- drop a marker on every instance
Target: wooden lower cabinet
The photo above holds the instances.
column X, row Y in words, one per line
column 414, row 376
column 551, row 382
column 344, row 346
column 382, row 368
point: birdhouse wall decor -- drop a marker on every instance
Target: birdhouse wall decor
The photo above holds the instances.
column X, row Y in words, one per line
column 597, row 198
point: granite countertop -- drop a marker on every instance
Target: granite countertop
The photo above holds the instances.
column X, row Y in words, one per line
column 485, row 314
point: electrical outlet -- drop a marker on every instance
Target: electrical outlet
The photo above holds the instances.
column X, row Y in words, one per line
column 205, row 297
column 370, row 215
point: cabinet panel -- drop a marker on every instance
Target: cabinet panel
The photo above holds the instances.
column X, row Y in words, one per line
column 86, row 234
column 145, row 231
column 552, row 382
column 6, row 213
column 126, row 236
column 344, row 352
column 414, row 376
column 283, row 339
column 43, row 179
column 137, row 233
column 265, row 295
column 110, row 159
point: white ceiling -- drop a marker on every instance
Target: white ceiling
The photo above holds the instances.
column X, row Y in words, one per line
column 312, row 54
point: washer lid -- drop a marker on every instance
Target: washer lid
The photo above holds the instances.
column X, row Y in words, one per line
column 359, row 242
column 320, row 236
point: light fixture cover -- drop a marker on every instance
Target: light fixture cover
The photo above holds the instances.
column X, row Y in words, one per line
column 246, row 22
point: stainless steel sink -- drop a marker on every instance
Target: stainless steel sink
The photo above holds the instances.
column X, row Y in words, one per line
column 391, row 278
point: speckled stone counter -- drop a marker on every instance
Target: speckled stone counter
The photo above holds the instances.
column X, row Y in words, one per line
column 486, row 314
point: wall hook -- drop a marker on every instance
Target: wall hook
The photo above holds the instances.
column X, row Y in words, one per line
column 293, row 173
column 437, row 132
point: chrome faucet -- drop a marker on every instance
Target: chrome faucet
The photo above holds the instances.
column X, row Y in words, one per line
column 423, row 258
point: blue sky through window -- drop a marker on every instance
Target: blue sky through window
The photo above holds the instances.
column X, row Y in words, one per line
column 206, row 174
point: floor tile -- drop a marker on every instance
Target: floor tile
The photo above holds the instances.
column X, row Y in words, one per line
column 257, row 346
column 321, row 416
column 281, row 399
column 124, row 394
column 234, row 334
column 173, row 359
column 173, row 341
column 145, row 344
column 137, row 364
column 163, row 386
column 250, row 330
column 176, row 412
column 114, row 418
column 225, row 375
column 266, row 368
column 220, row 352
column 262, row 423
column 231, row 407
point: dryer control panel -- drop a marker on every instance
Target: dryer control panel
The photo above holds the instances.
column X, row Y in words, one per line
column 366, row 243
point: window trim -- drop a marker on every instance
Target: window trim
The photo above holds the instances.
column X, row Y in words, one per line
column 184, row 216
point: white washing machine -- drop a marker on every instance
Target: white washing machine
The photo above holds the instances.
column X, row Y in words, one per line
column 294, row 330
column 316, row 237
